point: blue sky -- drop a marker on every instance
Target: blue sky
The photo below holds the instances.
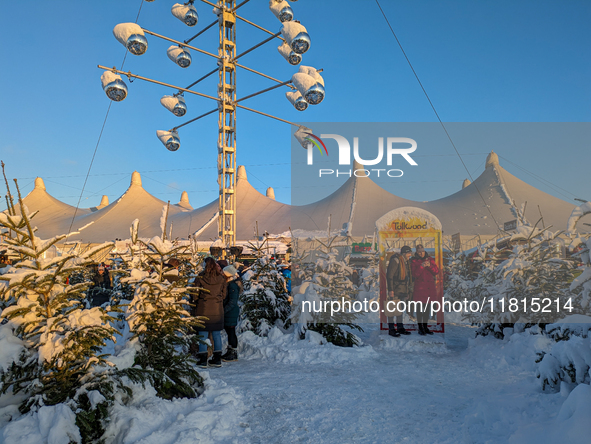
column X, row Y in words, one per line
column 485, row 61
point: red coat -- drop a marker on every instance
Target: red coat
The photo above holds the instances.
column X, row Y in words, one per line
column 424, row 278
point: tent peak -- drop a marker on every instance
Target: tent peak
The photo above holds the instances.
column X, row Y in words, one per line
column 271, row 193
column 104, row 201
column 39, row 184
column 136, row 179
column 466, row 183
column 492, row 159
column 241, row 173
column 184, row 198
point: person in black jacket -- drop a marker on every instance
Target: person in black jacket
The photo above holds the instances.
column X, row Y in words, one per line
column 231, row 312
column 400, row 287
column 210, row 304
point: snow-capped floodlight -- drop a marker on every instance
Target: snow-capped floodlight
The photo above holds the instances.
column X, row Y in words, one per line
column 113, row 86
column 179, row 56
column 310, row 84
column 175, row 104
column 281, row 10
column 297, row 100
column 302, row 134
column 186, row 14
column 132, row 37
column 170, row 139
column 296, row 36
column 288, row 54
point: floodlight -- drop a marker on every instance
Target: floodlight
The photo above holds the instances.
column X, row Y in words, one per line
column 170, row 139
column 302, row 134
column 297, row 100
column 175, row 104
column 281, row 10
column 186, row 14
column 113, row 86
column 132, row 37
column 310, row 84
column 296, row 36
column 289, row 55
column 180, row 56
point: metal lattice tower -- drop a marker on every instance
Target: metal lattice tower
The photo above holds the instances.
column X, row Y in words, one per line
column 227, row 125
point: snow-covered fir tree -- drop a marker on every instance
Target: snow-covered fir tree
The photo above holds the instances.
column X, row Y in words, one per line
column 517, row 285
column 327, row 279
column 159, row 316
column 265, row 302
column 61, row 360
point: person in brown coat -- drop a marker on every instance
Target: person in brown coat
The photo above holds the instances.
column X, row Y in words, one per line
column 211, row 305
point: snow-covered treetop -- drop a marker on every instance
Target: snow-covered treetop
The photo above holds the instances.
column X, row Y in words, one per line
column 577, row 213
column 407, row 213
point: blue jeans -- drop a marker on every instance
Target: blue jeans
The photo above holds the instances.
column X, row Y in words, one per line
column 217, row 341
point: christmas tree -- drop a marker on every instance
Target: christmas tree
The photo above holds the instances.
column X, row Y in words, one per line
column 326, row 283
column 159, row 316
column 265, row 300
column 61, row 360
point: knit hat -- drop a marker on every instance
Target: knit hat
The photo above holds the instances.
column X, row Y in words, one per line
column 230, row 270
column 419, row 248
column 223, row 263
column 405, row 249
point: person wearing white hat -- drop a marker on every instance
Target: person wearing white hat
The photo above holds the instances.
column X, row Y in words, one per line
column 231, row 312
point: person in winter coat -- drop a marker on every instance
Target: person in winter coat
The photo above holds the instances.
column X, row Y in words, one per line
column 400, row 282
column 210, row 305
column 424, row 271
column 231, row 312
column 101, row 284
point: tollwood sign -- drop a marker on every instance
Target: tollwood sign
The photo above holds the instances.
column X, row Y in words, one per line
column 409, row 226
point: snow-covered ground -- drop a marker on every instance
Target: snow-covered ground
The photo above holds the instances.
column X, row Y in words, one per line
column 448, row 388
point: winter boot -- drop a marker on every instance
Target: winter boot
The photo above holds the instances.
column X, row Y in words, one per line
column 216, row 359
column 401, row 329
column 202, row 360
column 421, row 329
column 426, row 329
column 230, row 355
column 392, row 330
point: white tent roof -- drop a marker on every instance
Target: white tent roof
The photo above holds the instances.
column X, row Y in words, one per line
column 496, row 195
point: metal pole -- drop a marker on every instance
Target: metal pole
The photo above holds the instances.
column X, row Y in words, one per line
column 256, row 46
column 259, row 27
column 129, row 74
column 227, row 124
column 264, row 91
column 259, row 73
column 202, row 31
column 181, row 44
column 193, row 120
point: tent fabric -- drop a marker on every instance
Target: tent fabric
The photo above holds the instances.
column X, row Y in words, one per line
column 479, row 208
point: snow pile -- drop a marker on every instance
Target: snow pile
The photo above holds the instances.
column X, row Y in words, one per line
column 51, row 424
column 11, row 347
column 288, row 348
column 212, row 417
column 411, row 343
